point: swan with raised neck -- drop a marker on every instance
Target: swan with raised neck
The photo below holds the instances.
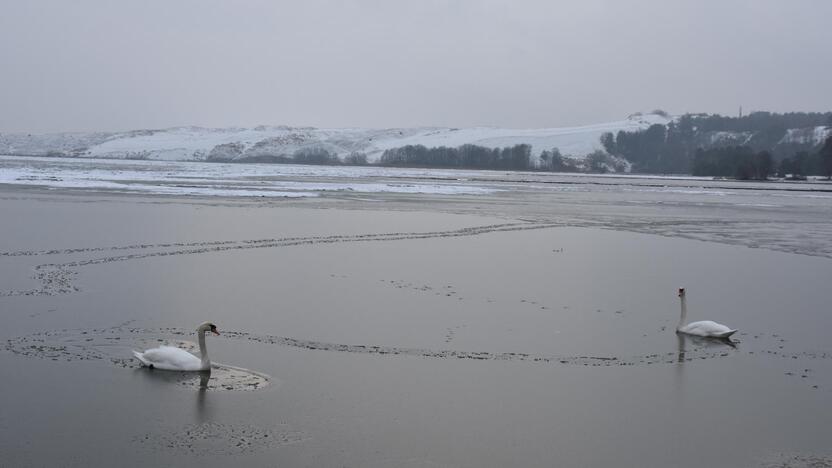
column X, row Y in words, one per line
column 704, row 328
column 177, row 359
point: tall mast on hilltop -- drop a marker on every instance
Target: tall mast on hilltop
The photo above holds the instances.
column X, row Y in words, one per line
column 740, row 111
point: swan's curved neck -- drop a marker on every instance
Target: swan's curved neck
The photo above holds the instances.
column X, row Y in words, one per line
column 684, row 315
column 203, row 352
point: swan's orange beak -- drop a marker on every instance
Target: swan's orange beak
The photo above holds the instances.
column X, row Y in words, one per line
column 215, row 332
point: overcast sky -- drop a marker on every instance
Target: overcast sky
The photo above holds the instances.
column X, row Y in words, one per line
column 116, row 65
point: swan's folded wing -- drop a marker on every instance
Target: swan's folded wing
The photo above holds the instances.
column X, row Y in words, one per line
column 170, row 358
column 707, row 328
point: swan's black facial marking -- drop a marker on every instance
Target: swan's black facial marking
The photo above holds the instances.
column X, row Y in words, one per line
column 214, row 329
column 681, row 292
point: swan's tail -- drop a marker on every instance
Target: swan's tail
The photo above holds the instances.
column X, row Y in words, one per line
column 726, row 334
column 141, row 358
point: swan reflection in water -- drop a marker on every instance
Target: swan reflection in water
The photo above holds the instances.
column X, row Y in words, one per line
column 196, row 380
column 690, row 344
column 201, row 395
column 699, row 343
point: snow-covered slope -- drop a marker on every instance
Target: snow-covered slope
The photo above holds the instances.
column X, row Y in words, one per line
column 810, row 135
column 194, row 143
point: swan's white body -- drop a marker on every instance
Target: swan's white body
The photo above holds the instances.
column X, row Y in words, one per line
column 172, row 358
column 175, row 359
column 705, row 328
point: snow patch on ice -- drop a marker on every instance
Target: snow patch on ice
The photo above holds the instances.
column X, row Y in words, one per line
column 215, row 179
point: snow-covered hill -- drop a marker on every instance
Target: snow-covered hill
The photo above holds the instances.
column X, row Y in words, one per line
column 239, row 144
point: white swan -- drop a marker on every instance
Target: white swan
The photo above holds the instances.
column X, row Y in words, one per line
column 705, row 328
column 173, row 358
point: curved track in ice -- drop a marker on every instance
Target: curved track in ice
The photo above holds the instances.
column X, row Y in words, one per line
column 57, row 278
column 113, row 344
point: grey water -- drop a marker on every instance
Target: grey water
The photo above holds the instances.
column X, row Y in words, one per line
column 527, row 326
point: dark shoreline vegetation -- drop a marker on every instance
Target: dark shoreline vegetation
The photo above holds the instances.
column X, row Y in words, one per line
column 513, row 158
column 752, row 147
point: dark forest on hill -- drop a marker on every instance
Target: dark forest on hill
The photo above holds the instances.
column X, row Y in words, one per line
column 749, row 147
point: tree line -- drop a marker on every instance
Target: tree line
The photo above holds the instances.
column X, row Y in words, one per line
column 234, row 152
column 517, row 157
column 804, row 163
column 761, row 121
column 739, row 162
column 750, row 147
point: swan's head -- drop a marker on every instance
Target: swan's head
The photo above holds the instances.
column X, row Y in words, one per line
column 207, row 327
column 681, row 292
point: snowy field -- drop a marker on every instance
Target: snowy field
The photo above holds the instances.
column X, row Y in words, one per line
column 195, row 143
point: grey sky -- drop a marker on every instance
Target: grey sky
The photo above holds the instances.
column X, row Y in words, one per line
column 116, row 65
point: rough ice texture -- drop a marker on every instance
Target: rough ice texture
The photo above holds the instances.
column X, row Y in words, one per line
column 227, row 180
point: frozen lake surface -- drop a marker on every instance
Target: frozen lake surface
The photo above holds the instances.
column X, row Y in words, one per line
column 408, row 317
